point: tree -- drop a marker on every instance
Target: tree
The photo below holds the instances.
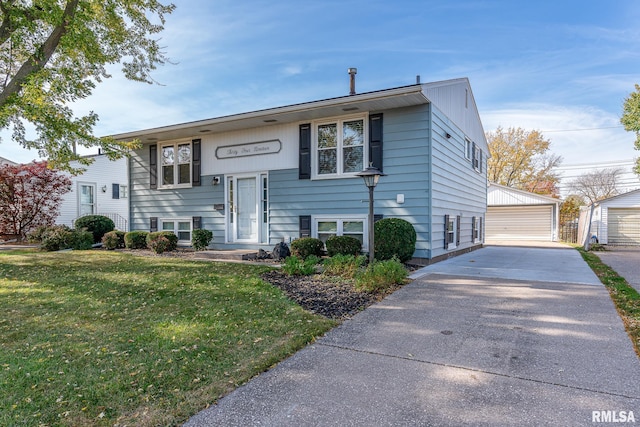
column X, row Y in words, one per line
column 597, row 185
column 54, row 52
column 521, row 159
column 631, row 120
column 30, row 196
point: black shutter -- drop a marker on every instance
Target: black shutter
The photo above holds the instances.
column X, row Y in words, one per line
column 375, row 141
column 305, row 225
column 473, row 155
column 153, row 224
column 115, row 191
column 458, row 230
column 480, row 234
column 446, row 231
column 480, row 163
column 195, row 167
column 377, row 217
column 473, row 229
column 197, row 222
column 153, row 166
column 304, row 152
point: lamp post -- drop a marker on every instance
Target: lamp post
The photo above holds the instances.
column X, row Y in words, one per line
column 371, row 175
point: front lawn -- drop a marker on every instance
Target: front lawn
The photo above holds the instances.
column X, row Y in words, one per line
column 104, row 338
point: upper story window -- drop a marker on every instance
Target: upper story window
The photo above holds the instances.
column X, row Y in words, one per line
column 468, row 149
column 340, row 147
column 477, row 158
column 175, row 164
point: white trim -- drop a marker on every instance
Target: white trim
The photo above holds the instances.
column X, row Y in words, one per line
column 176, row 228
column 94, row 201
column 452, row 219
column 231, row 227
column 176, row 172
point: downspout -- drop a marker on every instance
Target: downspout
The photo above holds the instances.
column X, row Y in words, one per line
column 430, row 179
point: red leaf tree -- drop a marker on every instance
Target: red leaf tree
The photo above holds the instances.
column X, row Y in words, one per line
column 30, row 196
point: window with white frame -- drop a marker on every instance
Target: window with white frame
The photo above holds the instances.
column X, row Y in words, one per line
column 175, row 164
column 355, row 226
column 451, row 232
column 123, row 192
column 468, row 149
column 179, row 227
column 476, row 229
column 340, row 147
column 477, row 157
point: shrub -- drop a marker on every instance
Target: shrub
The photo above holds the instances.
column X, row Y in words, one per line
column 295, row 266
column 136, row 239
column 394, row 237
column 343, row 245
column 381, row 275
column 98, row 225
column 114, row 239
column 55, row 238
column 201, row 238
column 38, row 234
column 343, row 265
column 171, row 243
column 81, row 240
column 307, row 246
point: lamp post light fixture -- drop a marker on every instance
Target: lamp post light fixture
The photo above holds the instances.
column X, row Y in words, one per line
column 371, row 175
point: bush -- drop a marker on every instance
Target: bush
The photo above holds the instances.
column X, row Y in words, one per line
column 343, row 265
column 394, row 237
column 201, row 238
column 343, row 245
column 307, row 246
column 295, row 266
column 59, row 237
column 114, row 239
column 156, row 241
column 381, row 275
column 98, row 225
column 136, row 239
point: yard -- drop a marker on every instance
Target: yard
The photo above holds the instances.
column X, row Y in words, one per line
column 105, row 338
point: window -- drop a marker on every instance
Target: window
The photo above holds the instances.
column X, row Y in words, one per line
column 176, row 164
column 477, row 158
column 475, row 232
column 451, row 232
column 325, row 227
column 87, row 199
column 468, row 149
column 179, row 227
column 123, row 192
column 340, row 147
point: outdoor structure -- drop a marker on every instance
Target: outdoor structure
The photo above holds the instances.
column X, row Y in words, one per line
column 259, row 178
column 4, row 161
column 520, row 215
column 102, row 189
column 614, row 221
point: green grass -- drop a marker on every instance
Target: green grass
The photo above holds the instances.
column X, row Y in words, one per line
column 104, row 338
column 624, row 296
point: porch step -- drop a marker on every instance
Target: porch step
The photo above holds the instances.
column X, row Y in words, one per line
column 231, row 254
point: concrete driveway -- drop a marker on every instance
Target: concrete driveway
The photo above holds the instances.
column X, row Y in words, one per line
column 501, row 336
column 625, row 260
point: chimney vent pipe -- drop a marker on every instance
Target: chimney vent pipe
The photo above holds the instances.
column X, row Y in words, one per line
column 352, row 80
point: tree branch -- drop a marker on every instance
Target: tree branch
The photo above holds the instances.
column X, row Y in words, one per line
column 39, row 59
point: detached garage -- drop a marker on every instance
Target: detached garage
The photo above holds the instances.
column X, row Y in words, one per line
column 616, row 220
column 519, row 215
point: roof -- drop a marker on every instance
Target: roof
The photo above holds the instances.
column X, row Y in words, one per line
column 500, row 195
column 405, row 96
column 631, row 193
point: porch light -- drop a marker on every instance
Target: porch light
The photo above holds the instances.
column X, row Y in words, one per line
column 371, row 176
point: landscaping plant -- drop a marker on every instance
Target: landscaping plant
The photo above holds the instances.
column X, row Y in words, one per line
column 162, row 241
column 381, row 276
column 394, row 237
column 345, row 266
column 295, row 266
column 307, row 246
column 97, row 225
column 343, row 245
column 136, row 239
column 201, row 239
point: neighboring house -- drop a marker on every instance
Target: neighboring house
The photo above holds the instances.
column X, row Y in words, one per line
column 520, row 215
column 614, row 221
column 102, row 189
column 4, row 161
column 263, row 177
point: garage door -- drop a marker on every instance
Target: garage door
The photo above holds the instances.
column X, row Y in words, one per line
column 519, row 223
column 624, row 226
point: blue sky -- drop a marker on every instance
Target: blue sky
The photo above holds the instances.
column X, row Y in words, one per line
column 562, row 67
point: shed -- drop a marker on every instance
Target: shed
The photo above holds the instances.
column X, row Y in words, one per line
column 514, row 214
column 616, row 220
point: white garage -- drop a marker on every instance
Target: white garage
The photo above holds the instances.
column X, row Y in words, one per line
column 614, row 221
column 519, row 215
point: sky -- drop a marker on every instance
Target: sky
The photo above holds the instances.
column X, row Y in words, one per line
column 562, row 67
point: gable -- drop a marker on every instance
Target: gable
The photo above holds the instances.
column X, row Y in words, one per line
column 499, row 195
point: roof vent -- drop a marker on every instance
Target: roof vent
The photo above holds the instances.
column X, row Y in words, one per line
column 352, row 80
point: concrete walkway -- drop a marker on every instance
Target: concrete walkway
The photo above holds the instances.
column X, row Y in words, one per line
column 625, row 260
column 501, row 336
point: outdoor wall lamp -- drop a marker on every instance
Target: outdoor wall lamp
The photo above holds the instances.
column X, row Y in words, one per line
column 215, row 180
column 104, row 188
column 371, row 175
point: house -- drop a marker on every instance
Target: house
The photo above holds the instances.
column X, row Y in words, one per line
column 520, row 215
column 614, row 221
column 8, row 162
column 259, row 178
column 103, row 189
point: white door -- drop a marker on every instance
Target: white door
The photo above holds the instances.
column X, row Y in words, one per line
column 246, row 210
column 519, row 223
column 87, row 199
column 624, row 226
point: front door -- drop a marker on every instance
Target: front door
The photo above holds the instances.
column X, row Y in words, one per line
column 87, row 199
column 247, row 199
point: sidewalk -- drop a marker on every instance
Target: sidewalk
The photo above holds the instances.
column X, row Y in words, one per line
column 482, row 347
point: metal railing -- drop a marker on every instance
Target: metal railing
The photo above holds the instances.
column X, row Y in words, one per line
column 120, row 222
